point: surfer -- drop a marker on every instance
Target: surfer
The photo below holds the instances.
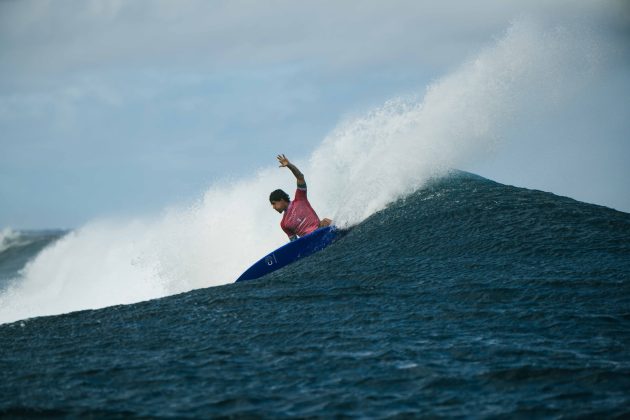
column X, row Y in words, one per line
column 299, row 218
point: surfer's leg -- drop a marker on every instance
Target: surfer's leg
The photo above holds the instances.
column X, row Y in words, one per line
column 325, row 222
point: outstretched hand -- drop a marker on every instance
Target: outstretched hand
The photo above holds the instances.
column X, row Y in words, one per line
column 282, row 159
column 284, row 163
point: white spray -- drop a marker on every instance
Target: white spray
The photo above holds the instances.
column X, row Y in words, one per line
column 358, row 169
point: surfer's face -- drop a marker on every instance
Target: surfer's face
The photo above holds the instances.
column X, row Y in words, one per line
column 279, row 205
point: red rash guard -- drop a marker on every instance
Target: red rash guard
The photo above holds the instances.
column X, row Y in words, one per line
column 299, row 218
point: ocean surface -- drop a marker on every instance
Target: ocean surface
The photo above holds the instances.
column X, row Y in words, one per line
column 467, row 298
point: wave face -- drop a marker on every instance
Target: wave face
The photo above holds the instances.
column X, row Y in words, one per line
column 361, row 167
column 467, row 296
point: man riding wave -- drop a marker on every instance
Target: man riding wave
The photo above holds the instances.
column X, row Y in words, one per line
column 299, row 218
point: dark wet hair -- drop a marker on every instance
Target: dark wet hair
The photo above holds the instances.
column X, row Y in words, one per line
column 278, row 195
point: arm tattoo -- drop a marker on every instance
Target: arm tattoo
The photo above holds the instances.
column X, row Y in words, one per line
column 296, row 171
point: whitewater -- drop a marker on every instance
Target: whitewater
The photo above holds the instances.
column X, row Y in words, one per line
column 360, row 168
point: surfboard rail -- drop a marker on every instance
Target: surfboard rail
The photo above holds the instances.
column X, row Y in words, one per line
column 291, row 252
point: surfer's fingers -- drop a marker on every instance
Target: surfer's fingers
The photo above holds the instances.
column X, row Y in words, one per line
column 283, row 160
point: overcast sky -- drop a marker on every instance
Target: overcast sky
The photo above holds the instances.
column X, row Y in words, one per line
column 124, row 107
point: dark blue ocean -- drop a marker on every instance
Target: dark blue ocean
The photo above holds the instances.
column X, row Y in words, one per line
column 468, row 298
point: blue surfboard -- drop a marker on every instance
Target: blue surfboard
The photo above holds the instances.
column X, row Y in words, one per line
column 291, row 252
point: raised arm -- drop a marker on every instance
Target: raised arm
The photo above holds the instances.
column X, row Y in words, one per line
column 284, row 162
